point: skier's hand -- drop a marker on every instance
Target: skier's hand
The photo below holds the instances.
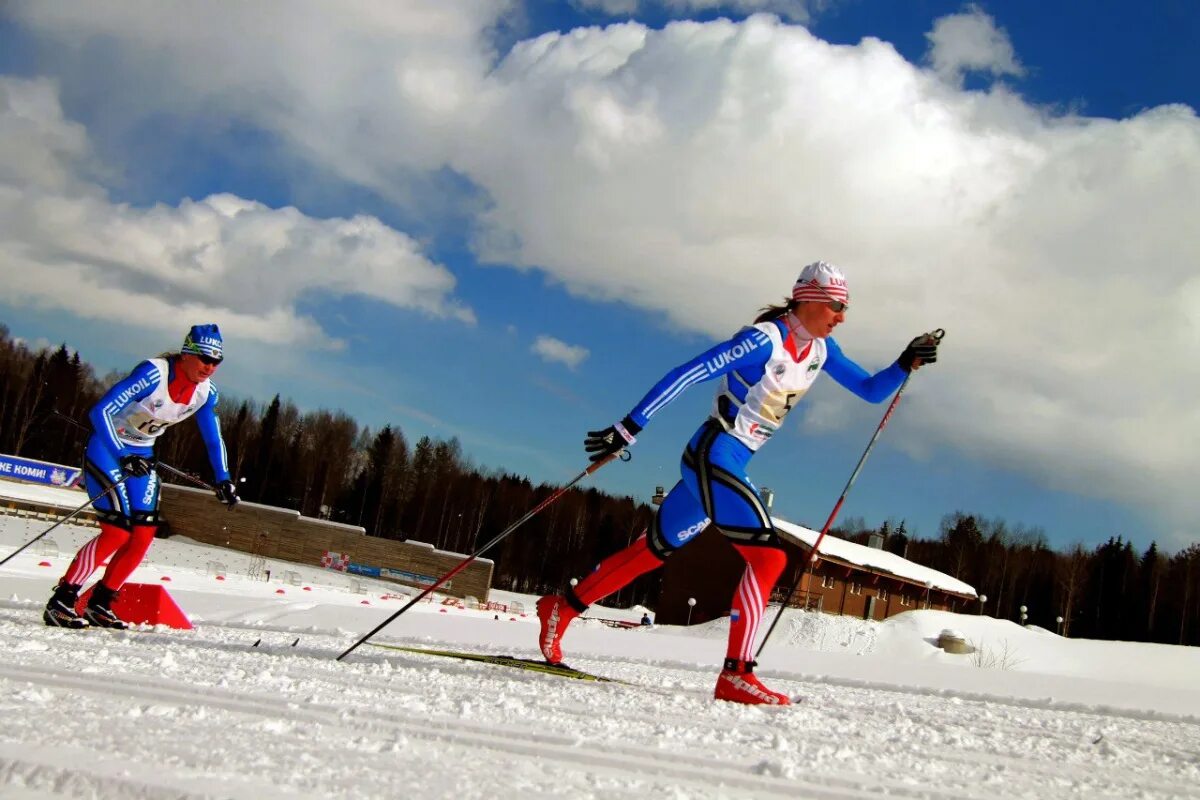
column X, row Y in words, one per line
column 921, row 350
column 136, row 466
column 227, row 493
column 612, row 440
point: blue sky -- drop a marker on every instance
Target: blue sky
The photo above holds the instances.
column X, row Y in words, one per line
column 410, row 197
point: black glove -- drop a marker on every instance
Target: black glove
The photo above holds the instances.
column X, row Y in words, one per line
column 611, row 440
column 136, row 466
column 923, row 348
column 227, row 493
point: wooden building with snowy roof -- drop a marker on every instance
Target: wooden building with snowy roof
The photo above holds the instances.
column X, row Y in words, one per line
column 846, row 578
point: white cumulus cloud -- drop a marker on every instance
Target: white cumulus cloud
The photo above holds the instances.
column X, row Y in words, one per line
column 791, row 10
column 971, row 41
column 65, row 244
column 551, row 349
column 691, row 171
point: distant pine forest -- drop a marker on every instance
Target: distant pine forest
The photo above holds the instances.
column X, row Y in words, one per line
column 325, row 464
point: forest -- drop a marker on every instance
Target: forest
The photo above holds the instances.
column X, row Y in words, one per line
column 324, row 464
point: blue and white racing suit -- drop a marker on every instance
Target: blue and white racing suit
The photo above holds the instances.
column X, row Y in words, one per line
column 763, row 376
column 126, row 421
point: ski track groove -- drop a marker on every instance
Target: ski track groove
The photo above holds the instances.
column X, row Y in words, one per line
column 615, row 758
column 1081, row 723
column 1134, row 732
column 1048, row 704
column 696, row 772
column 1070, row 739
column 29, row 773
column 27, row 768
column 1146, row 731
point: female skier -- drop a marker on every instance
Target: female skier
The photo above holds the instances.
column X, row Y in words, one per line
column 125, row 423
column 765, row 370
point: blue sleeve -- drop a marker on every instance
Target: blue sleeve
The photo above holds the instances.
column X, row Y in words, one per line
column 133, row 387
column 749, row 347
column 872, row 388
column 210, row 432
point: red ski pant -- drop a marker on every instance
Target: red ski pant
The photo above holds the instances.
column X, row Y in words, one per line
column 122, row 549
column 764, row 565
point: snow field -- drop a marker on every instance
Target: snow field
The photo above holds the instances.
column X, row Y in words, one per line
column 159, row 713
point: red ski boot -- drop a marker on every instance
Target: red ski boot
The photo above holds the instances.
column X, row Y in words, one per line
column 555, row 613
column 737, row 684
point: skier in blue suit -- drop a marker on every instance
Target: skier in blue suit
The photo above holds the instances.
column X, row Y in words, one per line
column 127, row 421
column 764, row 370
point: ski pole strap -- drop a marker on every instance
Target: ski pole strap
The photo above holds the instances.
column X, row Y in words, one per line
column 625, row 434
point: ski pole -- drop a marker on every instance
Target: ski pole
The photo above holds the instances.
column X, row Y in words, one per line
column 463, row 564
column 90, row 500
column 816, row 548
column 190, row 477
column 187, row 476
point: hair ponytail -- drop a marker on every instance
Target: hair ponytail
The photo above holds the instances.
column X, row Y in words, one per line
column 770, row 312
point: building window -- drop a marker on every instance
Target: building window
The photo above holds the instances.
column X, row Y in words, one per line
column 883, row 594
column 905, row 600
column 826, row 581
column 855, row 587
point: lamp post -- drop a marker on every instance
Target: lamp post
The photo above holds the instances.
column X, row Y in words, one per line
column 1058, row 621
column 691, row 605
column 982, row 603
column 928, row 592
column 1024, row 614
column 768, row 497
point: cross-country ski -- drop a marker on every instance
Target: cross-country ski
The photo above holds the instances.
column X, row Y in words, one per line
column 536, row 665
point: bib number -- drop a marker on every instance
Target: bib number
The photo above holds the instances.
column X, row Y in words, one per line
column 778, row 405
column 151, row 427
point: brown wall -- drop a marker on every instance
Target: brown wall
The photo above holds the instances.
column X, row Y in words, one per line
column 285, row 535
column 838, row 599
column 708, row 569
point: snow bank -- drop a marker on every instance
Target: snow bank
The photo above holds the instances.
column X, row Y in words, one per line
column 252, row 702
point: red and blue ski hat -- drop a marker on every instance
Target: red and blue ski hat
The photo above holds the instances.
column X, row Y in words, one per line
column 204, row 340
column 821, row 281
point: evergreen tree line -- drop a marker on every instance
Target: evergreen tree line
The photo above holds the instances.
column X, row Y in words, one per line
column 325, row 465
column 1107, row 592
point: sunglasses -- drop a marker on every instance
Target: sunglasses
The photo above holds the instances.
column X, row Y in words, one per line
column 209, row 360
column 836, row 306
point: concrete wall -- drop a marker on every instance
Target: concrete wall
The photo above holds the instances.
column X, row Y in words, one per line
column 284, row 534
column 51, row 513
